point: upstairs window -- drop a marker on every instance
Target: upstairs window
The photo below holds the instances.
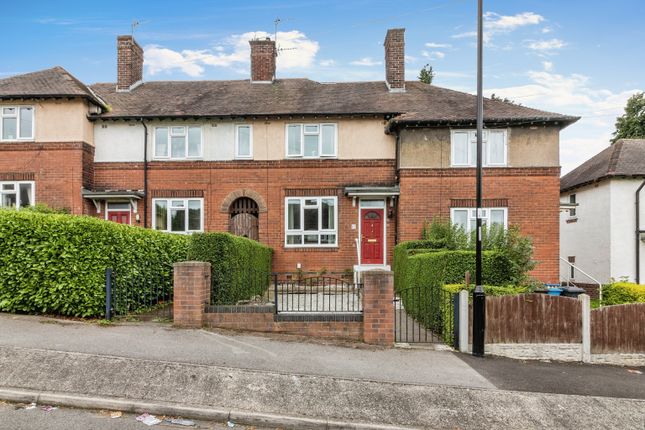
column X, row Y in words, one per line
column 467, row 217
column 178, row 215
column 17, row 122
column 463, row 145
column 311, row 140
column 572, row 200
column 311, row 222
column 16, row 194
column 243, row 141
column 178, row 142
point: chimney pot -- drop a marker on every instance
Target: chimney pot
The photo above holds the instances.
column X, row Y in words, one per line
column 129, row 63
column 395, row 59
column 263, row 56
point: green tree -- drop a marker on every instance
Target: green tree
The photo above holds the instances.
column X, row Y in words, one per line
column 426, row 74
column 632, row 124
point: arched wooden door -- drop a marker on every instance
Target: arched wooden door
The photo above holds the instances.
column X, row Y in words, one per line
column 372, row 236
column 244, row 216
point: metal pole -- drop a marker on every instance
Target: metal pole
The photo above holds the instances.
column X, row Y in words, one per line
column 108, row 293
column 479, row 309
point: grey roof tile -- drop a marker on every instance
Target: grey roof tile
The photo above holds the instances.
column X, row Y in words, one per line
column 626, row 157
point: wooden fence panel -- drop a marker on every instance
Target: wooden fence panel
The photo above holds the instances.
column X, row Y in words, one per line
column 533, row 318
column 618, row 328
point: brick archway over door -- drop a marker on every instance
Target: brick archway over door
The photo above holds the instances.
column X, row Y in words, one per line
column 226, row 204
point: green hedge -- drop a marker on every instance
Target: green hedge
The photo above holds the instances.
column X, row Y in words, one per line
column 53, row 263
column 241, row 268
column 489, row 290
column 620, row 293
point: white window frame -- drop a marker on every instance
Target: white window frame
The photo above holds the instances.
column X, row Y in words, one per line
column 471, row 219
column 16, row 191
column 472, row 157
column 302, row 232
column 168, row 212
column 169, row 156
column 237, row 142
column 17, row 116
column 302, row 140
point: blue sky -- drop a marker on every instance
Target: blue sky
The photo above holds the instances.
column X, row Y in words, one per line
column 576, row 57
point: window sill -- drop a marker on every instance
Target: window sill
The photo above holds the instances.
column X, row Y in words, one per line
column 26, row 140
column 310, row 248
column 572, row 220
column 300, row 157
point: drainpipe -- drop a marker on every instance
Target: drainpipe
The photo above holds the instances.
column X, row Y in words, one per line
column 145, row 174
column 397, row 155
column 638, row 233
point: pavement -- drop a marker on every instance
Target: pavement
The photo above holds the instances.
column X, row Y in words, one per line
column 295, row 384
column 17, row 417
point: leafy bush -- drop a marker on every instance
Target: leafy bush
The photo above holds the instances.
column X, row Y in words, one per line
column 44, row 209
column 442, row 234
column 240, row 267
column 53, row 263
column 623, row 292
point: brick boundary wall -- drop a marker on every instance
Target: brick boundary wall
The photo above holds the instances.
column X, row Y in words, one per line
column 192, row 310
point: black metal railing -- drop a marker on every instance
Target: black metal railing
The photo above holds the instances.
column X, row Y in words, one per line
column 234, row 287
column 147, row 293
column 424, row 315
column 317, row 293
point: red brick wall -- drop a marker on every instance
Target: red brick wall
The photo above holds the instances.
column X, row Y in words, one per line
column 59, row 169
column 263, row 56
column 533, row 204
column 264, row 322
column 270, row 180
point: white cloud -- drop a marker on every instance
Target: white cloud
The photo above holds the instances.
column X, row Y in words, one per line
column 546, row 30
column 295, row 50
column 366, row 61
column 545, row 45
column 438, row 45
column 327, row 63
column 495, row 23
column 433, row 55
column 410, row 59
column 572, row 94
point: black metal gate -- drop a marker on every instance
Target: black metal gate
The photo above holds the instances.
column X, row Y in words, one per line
column 425, row 315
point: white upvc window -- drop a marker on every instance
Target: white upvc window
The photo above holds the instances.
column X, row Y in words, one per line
column 463, row 148
column 16, row 123
column 178, row 215
column 17, row 194
column 311, row 222
column 178, row 142
column 311, row 140
column 243, row 141
column 467, row 217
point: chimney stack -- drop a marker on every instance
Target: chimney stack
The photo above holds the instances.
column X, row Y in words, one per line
column 129, row 63
column 263, row 56
column 395, row 59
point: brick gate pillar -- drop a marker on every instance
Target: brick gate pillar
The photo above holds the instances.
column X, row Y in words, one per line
column 192, row 286
column 378, row 310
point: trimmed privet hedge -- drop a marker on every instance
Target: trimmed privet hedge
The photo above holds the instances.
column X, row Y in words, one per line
column 434, row 269
column 55, row 264
column 620, row 293
column 489, row 290
column 240, row 267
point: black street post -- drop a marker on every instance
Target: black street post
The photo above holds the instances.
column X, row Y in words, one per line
column 479, row 299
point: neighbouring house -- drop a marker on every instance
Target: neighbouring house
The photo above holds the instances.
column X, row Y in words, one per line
column 598, row 226
column 330, row 175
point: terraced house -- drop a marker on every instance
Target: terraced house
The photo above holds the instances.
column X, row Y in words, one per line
column 330, row 175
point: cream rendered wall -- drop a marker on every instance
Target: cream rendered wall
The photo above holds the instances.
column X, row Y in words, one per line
column 527, row 147
column 589, row 238
column 623, row 227
column 357, row 139
column 60, row 120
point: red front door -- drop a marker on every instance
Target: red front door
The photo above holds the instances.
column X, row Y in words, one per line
column 122, row 217
column 371, row 236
